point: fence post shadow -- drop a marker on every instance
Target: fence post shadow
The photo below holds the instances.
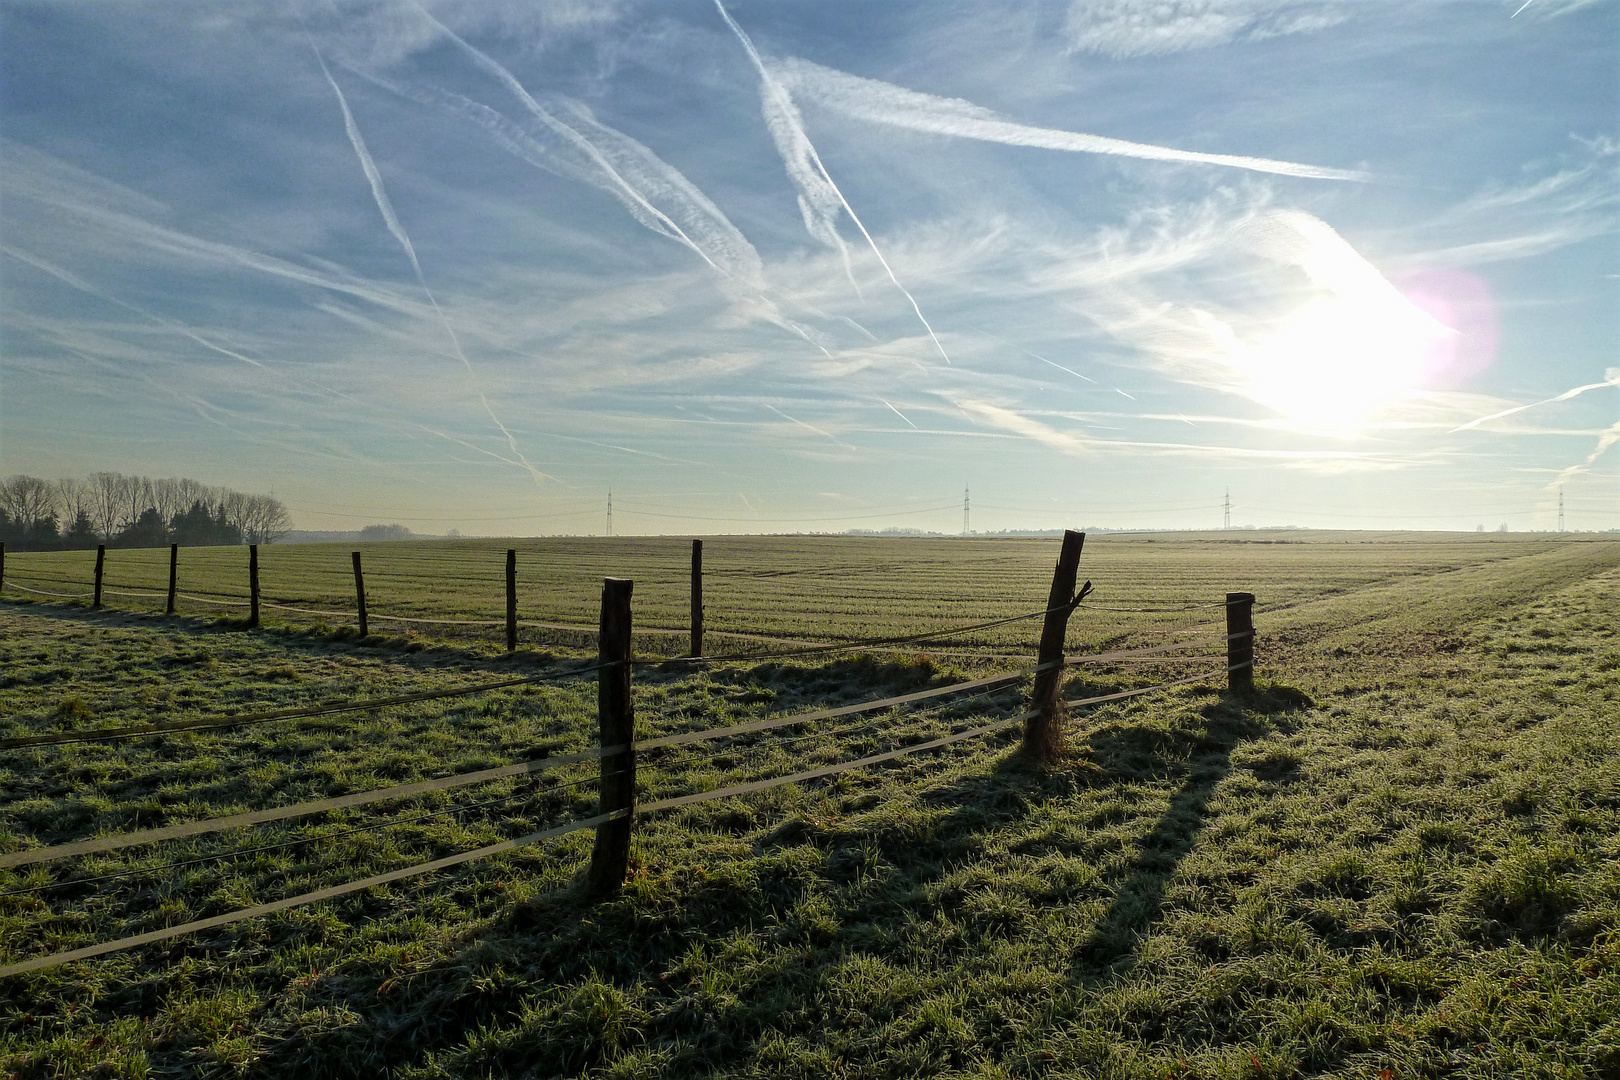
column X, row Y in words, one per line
column 1139, row 900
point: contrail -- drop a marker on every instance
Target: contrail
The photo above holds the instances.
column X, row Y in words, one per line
column 807, row 427
column 1612, row 379
column 1522, row 6
column 1060, row 367
column 70, row 278
column 798, row 153
column 898, row 413
column 884, row 103
column 391, row 219
column 1028, row 352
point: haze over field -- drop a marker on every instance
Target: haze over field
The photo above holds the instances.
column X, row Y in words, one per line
column 799, row 266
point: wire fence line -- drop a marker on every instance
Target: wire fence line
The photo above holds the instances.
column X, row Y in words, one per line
column 332, row 892
column 481, row 776
column 217, row 598
column 387, row 823
column 42, row 963
column 615, row 761
column 335, row 708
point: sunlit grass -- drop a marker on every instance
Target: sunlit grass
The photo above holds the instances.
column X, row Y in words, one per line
column 1401, row 855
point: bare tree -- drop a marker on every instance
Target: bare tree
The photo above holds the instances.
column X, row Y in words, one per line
column 107, row 502
column 72, row 499
column 27, row 500
column 168, row 497
column 233, row 507
column 137, row 496
column 267, row 520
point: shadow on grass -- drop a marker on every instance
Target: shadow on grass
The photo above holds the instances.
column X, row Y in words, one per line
column 540, row 980
column 1228, row 723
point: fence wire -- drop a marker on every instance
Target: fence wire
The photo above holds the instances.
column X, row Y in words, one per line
column 332, row 892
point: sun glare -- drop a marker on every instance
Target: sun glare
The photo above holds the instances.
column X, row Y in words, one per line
column 1335, row 362
column 1357, row 345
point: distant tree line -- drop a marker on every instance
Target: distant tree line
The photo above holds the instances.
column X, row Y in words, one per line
column 378, row 533
column 133, row 511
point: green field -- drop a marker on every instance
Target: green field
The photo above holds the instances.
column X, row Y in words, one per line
column 822, row 588
column 1403, row 854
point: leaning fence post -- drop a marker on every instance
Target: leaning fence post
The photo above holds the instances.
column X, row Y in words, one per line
column 1240, row 642
column 253, row 584
column 1043, row 733
column 697, row 598
column 360, row 593
column 511, row 599
column 610, row 859
column 101, row 563
column 174, row 567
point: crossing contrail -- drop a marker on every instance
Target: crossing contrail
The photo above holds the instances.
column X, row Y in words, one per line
column 897, row 412
column 380, row 195
column 805, row 168
column 570, row 141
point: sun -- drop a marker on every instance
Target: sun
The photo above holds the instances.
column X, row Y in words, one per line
column 1335, row 362
column 1353, row 347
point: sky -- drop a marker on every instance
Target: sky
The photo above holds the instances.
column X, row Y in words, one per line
column 804, row 266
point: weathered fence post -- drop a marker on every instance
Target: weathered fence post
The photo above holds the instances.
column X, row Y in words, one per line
column 697, row 598
column 1240, row 642
column 2, row 564
column 253, row 584
column 1043, row 732
column 101, row 563
column 610, row 859
column 174, row 568
column 360, row 593
column 511, row 599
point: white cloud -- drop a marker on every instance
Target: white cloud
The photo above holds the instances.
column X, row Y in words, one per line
column 1009, row 420
column 1127, row 28
column 1537, row 215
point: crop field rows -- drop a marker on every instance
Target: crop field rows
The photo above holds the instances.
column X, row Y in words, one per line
column 1401, row 854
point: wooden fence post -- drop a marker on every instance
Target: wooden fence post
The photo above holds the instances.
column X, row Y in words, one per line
column 697, row 598
column 1043, row 731
column 360, row 593
column 2, row 565
column 253, row 584
column 174, row 568
column 610, row 859
column 101, row 562
column 1240, row 642
column 511, row 599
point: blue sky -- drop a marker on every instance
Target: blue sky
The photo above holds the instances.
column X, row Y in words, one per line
column 798, row 266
